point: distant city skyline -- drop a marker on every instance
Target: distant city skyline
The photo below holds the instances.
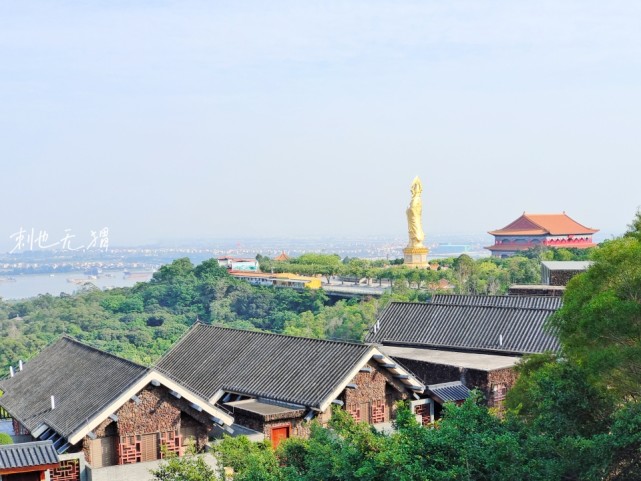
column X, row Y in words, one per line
column 168, row 121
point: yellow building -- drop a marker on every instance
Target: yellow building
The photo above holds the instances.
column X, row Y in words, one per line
column 284, row 279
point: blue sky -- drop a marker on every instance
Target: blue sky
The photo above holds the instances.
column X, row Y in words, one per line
column 194, row 119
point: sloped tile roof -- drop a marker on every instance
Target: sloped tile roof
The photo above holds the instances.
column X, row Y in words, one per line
column 536, row 302
column 542, row 224
column 25, row 455
column 475, row 328
column 297, row 370
column 449, row 391
column 83, row 381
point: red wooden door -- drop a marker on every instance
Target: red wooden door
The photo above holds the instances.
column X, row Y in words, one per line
column 278, row 434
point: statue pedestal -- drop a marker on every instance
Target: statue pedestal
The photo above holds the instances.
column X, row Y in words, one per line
column 416, row 257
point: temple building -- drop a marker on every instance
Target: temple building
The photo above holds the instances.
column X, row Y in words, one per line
column 547, row 230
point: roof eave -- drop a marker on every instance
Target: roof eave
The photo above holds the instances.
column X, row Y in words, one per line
column 80, row 432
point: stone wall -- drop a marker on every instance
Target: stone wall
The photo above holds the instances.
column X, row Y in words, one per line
column 157, row 411
column 431, row 373
column 376, row 391
column 503, row 379
column 561, row 278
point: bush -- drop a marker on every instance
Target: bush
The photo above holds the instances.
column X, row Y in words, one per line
column 5, row 439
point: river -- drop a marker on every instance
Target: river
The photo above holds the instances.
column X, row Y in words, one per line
column 24, row 286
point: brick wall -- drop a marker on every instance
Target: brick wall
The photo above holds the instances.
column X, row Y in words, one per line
column 561, row 278
column 298, row 426
column 156, row 412
column 375, row 395
column 431, row 373
column 500, row 381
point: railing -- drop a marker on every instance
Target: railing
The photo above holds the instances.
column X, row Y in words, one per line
column 4, row 414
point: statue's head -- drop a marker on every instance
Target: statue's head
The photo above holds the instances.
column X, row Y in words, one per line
column 416, row 187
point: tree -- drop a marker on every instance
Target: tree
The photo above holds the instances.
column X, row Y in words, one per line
column 556, row 398
column 251, row 461
column 464, row 268
column 190, row 467
column 599, row 324
column 5, row 439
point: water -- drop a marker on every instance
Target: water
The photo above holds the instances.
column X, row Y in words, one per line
column 34, row 284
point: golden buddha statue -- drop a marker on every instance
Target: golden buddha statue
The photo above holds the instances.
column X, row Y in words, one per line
column 414, row 213
column 415, row 254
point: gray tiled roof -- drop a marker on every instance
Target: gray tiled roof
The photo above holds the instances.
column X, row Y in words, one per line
column 449, row 391
column 292, row 369
column 25, row 455
column 476, row 328
column 83, row 380
column 536, row 302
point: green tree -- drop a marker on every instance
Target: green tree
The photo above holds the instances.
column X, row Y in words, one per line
column 556, row 398
column 5, row 439
column 251, row 461
column 190, row 467
column 599, row 324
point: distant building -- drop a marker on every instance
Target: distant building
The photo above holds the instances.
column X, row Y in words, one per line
column 282, row 257
column 554, row 277
column 282, row 279
column 238, row 264
column 547, row 230
column 558, row 273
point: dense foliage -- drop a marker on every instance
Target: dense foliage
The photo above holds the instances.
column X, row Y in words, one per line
column 469, row 443
column 190, row 467
column 142, row 322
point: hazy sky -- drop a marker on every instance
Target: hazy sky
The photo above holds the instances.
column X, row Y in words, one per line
column 204, row 119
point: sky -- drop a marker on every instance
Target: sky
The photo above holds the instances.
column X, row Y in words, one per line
column 165, row 120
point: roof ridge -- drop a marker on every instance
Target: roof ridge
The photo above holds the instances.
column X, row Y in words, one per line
column 275, row 334
column 493, row 306
column 93, row 348
column 501, row 296
column 473, row 305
